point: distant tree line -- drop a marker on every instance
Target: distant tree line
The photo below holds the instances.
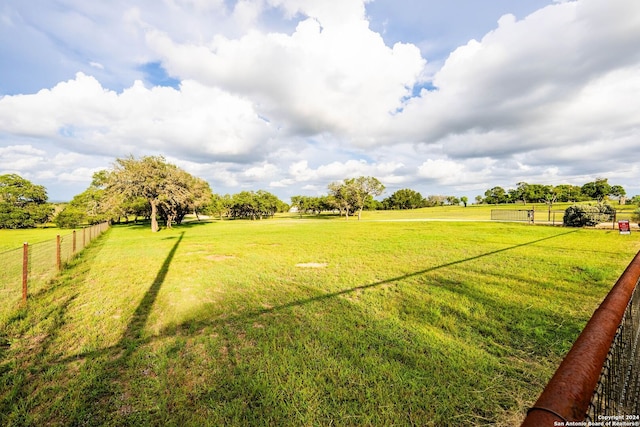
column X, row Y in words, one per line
column 246, row 205
column 152, row 189
column 598, row 190
column 411, row 199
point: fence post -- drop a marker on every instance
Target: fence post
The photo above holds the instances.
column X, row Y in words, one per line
column 73, row 246
column 58, row 258
column 533, row 214
column 25, row 270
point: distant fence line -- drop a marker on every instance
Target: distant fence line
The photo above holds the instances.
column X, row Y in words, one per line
column 26, row 270
column 552, row 217
column 531, row 216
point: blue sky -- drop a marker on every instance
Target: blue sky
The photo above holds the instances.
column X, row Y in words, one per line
column 444, row 97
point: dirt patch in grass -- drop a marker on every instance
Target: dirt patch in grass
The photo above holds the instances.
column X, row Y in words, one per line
column 312, row 265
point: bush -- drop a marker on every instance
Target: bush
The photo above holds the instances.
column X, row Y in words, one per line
column 587, row 215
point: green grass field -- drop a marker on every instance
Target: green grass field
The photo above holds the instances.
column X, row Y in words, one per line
column 306, row 322
column 13, row 239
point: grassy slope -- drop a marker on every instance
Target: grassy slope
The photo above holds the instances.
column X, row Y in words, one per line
column 409, row 322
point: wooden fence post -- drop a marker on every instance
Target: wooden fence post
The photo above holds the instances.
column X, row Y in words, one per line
column 25, row 270
column 73, row 249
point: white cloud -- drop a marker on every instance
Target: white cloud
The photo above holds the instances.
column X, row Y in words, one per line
column 263, row 172
column 21, row 158
column 325, row 77
column 195, row 121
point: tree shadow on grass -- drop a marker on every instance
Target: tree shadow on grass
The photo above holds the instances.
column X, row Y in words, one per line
column 90, row 394
column 100, row 391
column 136, row 325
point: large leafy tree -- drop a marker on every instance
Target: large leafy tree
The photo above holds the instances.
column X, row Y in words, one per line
column 495, row 196
column 353, row 194
column 219, row 205
column 22, row 203
column 312, row 204
column 255, row 204
column 404, row 199
column 168, row 190
column 598, row 189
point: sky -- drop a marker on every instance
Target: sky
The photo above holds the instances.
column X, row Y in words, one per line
column 447, row 97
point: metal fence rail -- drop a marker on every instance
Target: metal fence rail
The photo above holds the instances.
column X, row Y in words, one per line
column 27, row 270
column 599, row 377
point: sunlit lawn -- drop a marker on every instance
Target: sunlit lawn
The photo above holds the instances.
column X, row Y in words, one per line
column 396, row 323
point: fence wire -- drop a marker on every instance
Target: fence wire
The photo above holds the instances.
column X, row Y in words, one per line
column 10, row 279
column 44, row 262
column 618, row 389
column 524, row 215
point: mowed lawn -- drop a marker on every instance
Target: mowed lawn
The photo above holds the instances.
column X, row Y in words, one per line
column 306, row 322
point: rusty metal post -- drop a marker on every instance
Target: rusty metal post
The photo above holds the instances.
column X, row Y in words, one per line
column 25, row 270
column 568, row 394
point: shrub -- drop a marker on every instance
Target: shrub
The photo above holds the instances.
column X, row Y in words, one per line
column 587, row 215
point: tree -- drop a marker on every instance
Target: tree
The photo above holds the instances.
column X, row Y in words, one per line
column 597, row 190
column 22, row 203
column 90, row 206
column 167, row 189
column 339, row 198
column 619, row 192
column 464, row 200
column 220, row 205
column 404, row 199
column 309, row 204
column 569, row 193
column 495, row 196
column 521, row 192
column 435, row 200
column 255, row 205
column 549, row 195
column 355, row 193
column 453, row 200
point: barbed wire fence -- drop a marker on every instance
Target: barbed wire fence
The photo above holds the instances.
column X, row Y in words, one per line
column 28, row 269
